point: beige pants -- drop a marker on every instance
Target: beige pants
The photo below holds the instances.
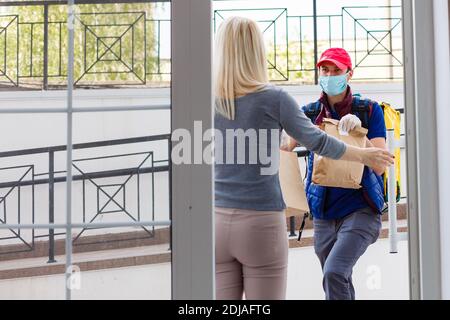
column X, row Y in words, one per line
column 251, row 254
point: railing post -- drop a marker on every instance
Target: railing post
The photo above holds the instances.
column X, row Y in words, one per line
column 51, row 206
column 45, row 71
column 169, row 165
column 392, row 201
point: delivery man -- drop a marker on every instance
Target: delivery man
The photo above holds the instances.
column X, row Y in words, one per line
column 346, row 221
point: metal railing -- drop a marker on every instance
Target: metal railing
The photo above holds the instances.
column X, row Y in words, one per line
column 124, row 48
column 53, row 177
column 293, row 59
column 111, row 44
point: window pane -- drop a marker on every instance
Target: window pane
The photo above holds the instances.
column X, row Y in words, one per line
column 121, row 158
column 32, row 191
column 371, row 32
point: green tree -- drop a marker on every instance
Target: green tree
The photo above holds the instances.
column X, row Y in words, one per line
column 97, row 28
column 300, row 58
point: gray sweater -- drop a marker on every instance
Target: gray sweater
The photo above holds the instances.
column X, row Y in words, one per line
column 241, row 183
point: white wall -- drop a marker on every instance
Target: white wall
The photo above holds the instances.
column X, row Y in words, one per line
column 23, row 131
column 150, row 282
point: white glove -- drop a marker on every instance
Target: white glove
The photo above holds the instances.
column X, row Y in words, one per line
column 348, row 123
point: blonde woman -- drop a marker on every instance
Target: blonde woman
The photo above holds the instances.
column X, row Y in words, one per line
column 250, row 228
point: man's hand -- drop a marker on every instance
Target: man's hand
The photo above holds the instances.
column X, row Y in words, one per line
column 348, row 123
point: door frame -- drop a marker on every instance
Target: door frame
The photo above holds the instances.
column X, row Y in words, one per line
column 192, row 184
column 426, row 159
column 193, row 188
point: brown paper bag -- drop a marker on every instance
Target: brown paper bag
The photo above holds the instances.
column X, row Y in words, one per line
column 339, row 173
column 292, row 184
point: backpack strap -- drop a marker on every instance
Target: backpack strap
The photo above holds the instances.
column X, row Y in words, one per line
column 362, row 108
column 312, row 110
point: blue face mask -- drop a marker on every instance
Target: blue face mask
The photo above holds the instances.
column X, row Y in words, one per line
column 333, row 85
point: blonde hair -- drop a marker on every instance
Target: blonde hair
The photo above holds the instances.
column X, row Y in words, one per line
column 241, row 65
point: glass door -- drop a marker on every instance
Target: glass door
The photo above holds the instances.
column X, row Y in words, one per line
column 91, row 204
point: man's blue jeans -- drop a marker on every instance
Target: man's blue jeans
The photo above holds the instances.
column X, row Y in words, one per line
column 339, row 244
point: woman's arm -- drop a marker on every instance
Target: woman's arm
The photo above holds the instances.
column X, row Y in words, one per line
column 373, row 156
column 299, row 127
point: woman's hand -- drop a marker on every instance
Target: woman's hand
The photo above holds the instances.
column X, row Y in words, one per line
column 371, row 157
column 377, row 158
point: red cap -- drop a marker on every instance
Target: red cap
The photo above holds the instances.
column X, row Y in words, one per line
column 338, row 56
